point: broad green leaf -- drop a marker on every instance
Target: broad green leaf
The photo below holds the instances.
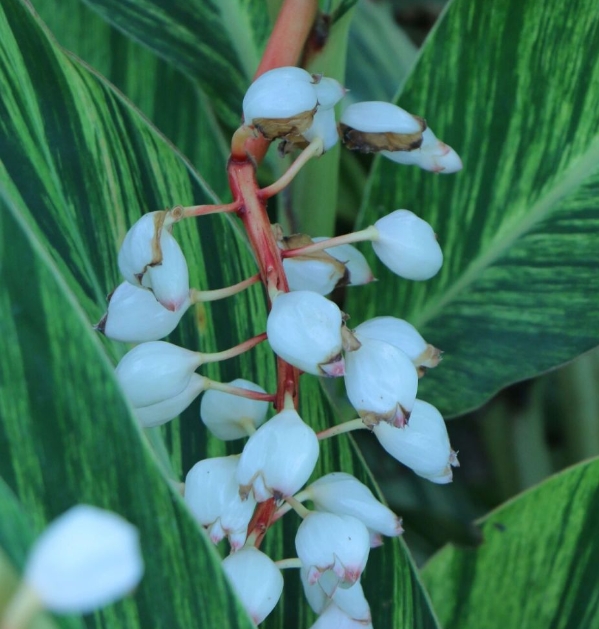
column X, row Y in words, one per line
column 67, row 437
column 536, row 567
column 171, row 100
column 78, row 166
column 515, row 91
column 217, row 44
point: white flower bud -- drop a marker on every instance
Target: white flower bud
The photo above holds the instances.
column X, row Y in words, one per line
column 407, row 246
column 278, row 458
column 344, row 494
column 351, row 600
column 151, row 257
column 432, row 155
column 334, row 618
column 313, row 274
column 256, row 579
column 381, row 382
column 212, row 494
column 85, row 559
column 404, row 336
column 358, row 271
column 333, row 548
column 162, row 412
column 423, row 445
column 135, row 316
column 156, row 371
column 380, row 117
column 324, row 126
column 304, row 329
column 329, row 92
column 226, row 415
column 169, row 280
column 286, row 94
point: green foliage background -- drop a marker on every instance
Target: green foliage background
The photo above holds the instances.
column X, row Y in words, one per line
column 139, row 120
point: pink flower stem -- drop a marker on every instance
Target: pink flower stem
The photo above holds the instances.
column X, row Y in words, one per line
column 233, row 351
column 370, row 233
column 197, row 296
column 353, row 424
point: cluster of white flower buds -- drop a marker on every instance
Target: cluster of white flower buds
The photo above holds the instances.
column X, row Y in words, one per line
column 381, row 361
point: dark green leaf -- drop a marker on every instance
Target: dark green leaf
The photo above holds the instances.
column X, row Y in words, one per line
column 537, row 565
column 505, row 85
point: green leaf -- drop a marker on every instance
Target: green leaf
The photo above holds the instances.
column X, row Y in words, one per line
column 79, row 165
column 515, row 91
column 173, row 102
column 217, row 44
column 536, row 567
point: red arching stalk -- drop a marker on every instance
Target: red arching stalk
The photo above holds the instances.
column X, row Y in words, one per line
column 242, row 180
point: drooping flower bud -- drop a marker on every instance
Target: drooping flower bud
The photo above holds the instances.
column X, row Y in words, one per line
column 344, row 494
column 404, row 336
column 162, row 412
column 151, row 257
column 304, row 329
column 85, row 559
column 281, row 102
column 381, row 382
column 212, row 494
column 335, row 618
column 351, row 600
column 256, row 579
column 357, row 270
column 333, row 548
column 227, row 415
column 375, row 126
column 155, row 371
column 135, row 316
column 423, row 445
column 278, row 458
column 432, row 155
column 407, row 246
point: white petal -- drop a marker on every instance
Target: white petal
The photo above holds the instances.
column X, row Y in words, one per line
column 212, row 494
column 279, row 93
column 314, row 594
column 423, row 445
column 162, row 412
column 137, row 250
column 380, row 117
column 396, row 332
column 256, row 579
column 304, row 329
column 328, row 542
column 407, row 245
column 329, row 92
column 344, row 494
column 335, row 618
column 156, row 371
column 224, row 414
column 380, row 380
column 85, row 559
column 313, row 275
column 355, row 262
column 169, row 280
column 135, row 316
column 324, row 126
column 279, row 457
